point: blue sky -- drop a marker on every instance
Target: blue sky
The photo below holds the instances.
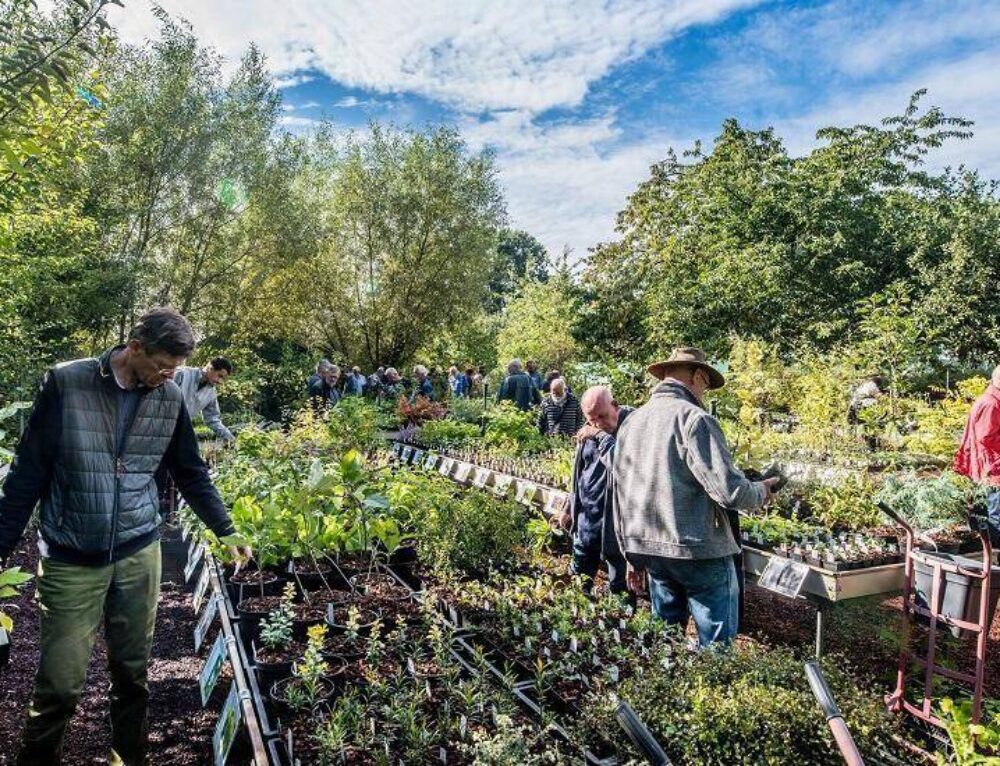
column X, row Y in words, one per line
column 578, row 97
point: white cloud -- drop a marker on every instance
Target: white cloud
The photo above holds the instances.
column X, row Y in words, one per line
column 566, row 182
column 350, row 102
column 967, row 87
column 298, row 124
column 511, row 61
column 474, row 55
column 292, row 81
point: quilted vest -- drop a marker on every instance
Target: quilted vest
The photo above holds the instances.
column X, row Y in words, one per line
column 98, row 500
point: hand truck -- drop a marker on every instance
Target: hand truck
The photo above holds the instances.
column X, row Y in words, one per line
column 978, row 579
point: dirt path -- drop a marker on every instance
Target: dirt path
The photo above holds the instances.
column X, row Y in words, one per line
column 180, row 731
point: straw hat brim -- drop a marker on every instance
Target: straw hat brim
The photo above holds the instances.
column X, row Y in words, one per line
column 660, row 370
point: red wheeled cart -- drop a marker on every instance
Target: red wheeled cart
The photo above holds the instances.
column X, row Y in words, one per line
column 947, row 591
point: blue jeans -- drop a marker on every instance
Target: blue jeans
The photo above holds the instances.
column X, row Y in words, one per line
column 705, row 589
column 993, row 516
column 587, row 560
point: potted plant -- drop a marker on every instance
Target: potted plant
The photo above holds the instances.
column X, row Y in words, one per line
column 276, row 651
column 311, row 683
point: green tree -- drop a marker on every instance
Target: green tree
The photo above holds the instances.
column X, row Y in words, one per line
column 409, row 225
column 519, row 256
column 747, row 239
column 183, row 154
column 538, row 323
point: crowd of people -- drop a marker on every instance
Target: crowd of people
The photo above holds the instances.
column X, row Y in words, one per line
column 329, row 384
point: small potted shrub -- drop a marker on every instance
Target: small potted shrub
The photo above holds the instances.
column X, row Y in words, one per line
column 311, row 684
column 276, row 650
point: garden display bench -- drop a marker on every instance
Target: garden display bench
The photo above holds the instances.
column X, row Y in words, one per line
column 825, row 588
column 212, row 601
column 549, row 500
column 821, row 587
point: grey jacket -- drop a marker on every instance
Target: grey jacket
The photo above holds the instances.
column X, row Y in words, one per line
column 201, row 401
column 673, row 474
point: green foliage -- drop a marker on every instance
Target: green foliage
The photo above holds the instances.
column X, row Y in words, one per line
column 309, row 673
column 520, row 257
column 801, row 251
column 410, row 217
column 849, row 504
column 940, row 423
column 749, row 704
column 469, row 533
column 467, row 410
column 442, row 433
column 276, row 628
column 10, row 581
column 928, row 503
column 537, row 324
column 972, row 744
column 509, row 427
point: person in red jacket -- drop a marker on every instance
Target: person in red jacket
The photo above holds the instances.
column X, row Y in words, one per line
column 979, row 456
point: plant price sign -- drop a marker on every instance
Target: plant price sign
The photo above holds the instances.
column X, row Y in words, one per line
column 212, row 669
column 784, row 576
column 205, row 621
column 225, row 729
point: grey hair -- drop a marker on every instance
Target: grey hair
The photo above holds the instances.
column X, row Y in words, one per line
column 514, row 367
column 558, row 383
column 419, row 369
column 164, row 329
column 323, row 365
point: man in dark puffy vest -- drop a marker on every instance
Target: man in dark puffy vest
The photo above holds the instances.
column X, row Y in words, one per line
column 99, row 430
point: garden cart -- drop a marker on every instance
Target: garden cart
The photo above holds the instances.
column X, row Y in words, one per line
column 944, row 591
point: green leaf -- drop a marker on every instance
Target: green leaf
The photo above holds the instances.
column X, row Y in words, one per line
column 14, row 576
column 6, row 622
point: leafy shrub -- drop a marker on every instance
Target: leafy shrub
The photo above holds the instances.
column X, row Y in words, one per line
column 930, row 502
column 439, row 433
column 467, row 410
column 940, row 424
column 850, row 504
column 748, row 704
column 971, row 744
column 513, row 429
column 466, row 532
column 352, row 424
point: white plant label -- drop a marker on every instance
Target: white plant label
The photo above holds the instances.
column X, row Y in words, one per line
column 482, row 477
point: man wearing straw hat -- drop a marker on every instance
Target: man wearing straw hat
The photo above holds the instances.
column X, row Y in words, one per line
column 674, row 476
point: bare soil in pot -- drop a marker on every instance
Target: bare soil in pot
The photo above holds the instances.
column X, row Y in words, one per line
column 382, row 587
column 337, row 617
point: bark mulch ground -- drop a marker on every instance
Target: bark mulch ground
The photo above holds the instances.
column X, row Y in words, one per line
column 180, row 730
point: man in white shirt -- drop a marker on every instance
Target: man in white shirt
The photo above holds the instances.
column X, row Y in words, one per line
column 198, row 386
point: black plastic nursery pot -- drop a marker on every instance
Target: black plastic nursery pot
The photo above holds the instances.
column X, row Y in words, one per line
column 5, row 647
column 250, row 619
column 336, row 618
column 248, row 584
column 173, row 555
column 329, row 690
column 311, row 576
column 270, row 672
column 383, row 585
column 961, row 594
